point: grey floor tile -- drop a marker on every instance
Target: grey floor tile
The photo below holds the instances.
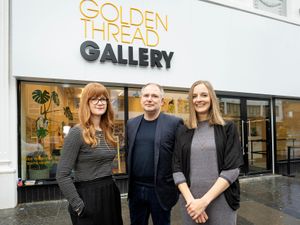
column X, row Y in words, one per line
column 264, row 200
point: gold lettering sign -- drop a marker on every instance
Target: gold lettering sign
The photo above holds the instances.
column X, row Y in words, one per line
column 107, row 21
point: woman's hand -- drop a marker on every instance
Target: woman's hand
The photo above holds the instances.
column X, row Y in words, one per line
column 196, row 208
column 202, row 218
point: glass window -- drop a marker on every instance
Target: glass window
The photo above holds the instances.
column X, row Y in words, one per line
column 134, row 105
column 287, row 128
column 230, row 109
column 48, row 111
column 176, row 103
column 117, row 100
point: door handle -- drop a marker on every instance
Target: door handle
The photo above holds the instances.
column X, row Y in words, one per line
column 249, row 128
column 243, row 137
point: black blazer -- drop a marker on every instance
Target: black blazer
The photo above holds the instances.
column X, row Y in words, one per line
column 229, row 155
column 166, row 127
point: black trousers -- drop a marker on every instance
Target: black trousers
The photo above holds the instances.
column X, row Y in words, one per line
column 102, row 203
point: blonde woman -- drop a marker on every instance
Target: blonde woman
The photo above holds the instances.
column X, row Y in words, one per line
column 206, row 162
column 89, row 150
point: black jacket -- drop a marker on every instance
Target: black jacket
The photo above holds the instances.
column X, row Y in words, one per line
column 229, row 156
column 166, row 128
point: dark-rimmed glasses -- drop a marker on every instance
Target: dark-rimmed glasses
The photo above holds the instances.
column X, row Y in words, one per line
column 95, row 101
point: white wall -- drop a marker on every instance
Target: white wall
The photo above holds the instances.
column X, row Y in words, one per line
column 293, row 6
column 8, row 115
column 293, row 9
column 245, row 52
column 235, row 50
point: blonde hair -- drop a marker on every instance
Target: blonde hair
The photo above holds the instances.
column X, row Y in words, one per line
column 214, row 114
column 107, row 119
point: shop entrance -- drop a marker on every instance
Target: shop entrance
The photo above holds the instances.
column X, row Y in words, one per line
column 252, row 118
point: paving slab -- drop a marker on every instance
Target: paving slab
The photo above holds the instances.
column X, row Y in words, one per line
column 265, row 200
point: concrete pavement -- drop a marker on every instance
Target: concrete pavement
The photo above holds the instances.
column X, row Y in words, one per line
column 265, row 200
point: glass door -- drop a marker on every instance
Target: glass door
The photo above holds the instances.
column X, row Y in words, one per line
column 231, row 109
column 258, row 135
column 252, row 119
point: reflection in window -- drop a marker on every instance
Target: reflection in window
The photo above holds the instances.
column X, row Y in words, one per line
column 230, row 110
column 287, row 128
column 48, row 111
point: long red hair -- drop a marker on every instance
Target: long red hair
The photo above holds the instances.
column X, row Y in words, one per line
column 107, row 119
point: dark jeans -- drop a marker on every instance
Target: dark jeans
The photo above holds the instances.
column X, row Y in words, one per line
column 142, row 203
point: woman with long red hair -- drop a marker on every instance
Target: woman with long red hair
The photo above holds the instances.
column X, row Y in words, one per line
column 89, row 150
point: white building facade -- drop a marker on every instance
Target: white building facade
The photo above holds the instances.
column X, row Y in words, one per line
column 248, row 50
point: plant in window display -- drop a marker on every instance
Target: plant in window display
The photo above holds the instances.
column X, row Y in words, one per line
column 39, row 162
column 38, row 165
column 46, row 99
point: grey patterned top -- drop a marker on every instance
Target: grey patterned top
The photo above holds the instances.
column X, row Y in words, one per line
column 87, row 163
column 203, row 174
column 229, row 175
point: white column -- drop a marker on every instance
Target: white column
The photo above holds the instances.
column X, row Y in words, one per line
column 8, row 116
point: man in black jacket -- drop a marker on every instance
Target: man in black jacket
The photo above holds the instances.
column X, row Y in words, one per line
column 150, row 139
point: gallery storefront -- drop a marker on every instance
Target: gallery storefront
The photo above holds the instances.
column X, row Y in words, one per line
column 44, row 124
column 52, row 50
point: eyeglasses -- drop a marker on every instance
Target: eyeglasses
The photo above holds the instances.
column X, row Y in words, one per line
column 95, row 101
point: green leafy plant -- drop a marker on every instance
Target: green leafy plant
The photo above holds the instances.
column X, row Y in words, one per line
column 46, row 99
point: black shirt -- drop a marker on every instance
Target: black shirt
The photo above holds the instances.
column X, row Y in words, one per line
column 143, row 153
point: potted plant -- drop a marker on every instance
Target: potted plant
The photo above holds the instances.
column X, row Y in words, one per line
column 38, row 164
